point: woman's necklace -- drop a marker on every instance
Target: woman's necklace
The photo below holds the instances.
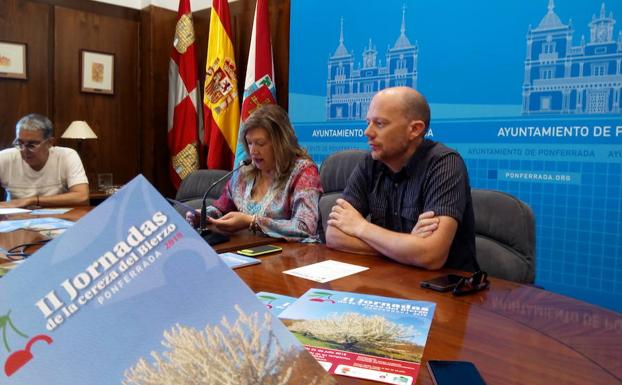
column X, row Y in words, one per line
column 258, row 206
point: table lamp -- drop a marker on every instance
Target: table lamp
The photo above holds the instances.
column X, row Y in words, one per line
column 79, row 129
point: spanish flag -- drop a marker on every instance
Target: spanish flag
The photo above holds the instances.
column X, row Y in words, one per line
column 220, row 97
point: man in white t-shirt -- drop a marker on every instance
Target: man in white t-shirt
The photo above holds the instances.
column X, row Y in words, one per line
column 37, row 173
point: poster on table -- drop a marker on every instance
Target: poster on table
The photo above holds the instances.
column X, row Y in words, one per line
column 363, row 336
column 131, row 294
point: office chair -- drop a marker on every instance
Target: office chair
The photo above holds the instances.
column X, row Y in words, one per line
column 505, row 238
column 334, row 174
column 195, row 185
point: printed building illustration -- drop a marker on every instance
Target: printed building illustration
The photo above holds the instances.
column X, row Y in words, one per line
column 564, row 79
column 349, row 90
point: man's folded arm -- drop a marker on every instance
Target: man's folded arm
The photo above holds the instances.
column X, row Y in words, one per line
column 78, row 195
column 430, row 251
column 338, row 240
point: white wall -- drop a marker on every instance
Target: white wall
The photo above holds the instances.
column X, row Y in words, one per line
column 195, row 5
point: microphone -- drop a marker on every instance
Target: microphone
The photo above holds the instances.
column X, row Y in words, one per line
column 203, row 218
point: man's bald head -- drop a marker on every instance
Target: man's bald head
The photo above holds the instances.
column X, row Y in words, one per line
column 414, row 105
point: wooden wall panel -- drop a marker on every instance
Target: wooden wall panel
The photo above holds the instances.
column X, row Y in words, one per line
column 95, row 7
column 279, row 27
column 157, row 30
column 132, row 123
column 114, row 118
column 24, row 22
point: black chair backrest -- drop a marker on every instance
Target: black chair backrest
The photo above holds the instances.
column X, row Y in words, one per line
column 505, row 235
column 196, row 184
column 334, row 174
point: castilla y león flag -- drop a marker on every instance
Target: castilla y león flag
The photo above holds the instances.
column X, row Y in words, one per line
column 183, row 99
column 259, row 86
column 220, row 99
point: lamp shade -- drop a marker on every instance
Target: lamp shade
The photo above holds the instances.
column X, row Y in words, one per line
column 79, row 129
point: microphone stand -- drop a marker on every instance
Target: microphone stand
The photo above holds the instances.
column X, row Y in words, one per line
column 212, row 237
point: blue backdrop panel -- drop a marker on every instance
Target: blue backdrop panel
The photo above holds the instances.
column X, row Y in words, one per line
column 530, row 93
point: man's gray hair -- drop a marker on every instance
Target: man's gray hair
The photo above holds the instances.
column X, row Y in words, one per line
column 35, row 122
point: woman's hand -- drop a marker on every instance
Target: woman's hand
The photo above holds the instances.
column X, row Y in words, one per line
column 231, row 222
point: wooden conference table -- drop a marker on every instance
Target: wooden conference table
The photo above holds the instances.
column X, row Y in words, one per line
column 515, row 334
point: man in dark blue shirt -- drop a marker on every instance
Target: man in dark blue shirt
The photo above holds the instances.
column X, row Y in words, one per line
column 406, row 178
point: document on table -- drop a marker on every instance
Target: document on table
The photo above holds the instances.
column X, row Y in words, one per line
column 235, row 260
column 56, row 211
column 13, row 210
column 326, row 271
column 36, row 224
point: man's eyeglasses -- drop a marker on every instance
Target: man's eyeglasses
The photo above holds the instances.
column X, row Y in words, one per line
column 18, row 252
column 28, row 146
column 476, row 282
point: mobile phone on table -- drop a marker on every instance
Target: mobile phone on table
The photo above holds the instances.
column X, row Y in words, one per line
column 442, row 283
column 259, row 250
column 454, row 372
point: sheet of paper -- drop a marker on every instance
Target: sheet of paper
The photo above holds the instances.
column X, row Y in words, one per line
column 235, row 260
column 34, row 224
column 12, row 210
column 326, row 271
column 56, row 211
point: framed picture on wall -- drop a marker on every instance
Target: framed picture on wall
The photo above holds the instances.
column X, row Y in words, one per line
column 13, row 60
column 97, row 72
